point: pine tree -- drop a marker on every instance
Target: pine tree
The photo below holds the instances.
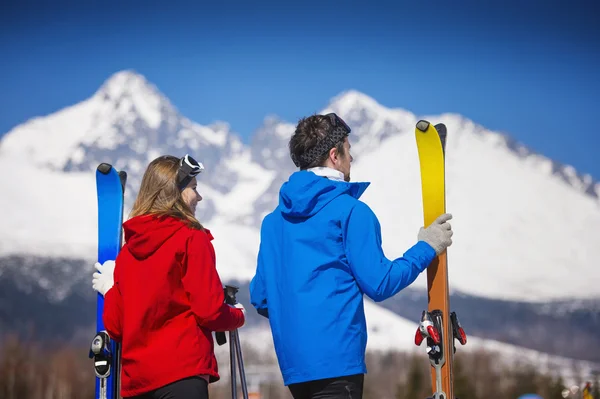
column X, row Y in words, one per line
column 525, row 381
column 463, row 388
column 415, row 384
column 555, row 388
column 596, row 387
column 400, row 391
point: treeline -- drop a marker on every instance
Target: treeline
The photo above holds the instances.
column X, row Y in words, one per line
column 477, row 375
column 29, row 370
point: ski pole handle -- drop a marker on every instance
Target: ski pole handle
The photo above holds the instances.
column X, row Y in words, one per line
column 229, row 291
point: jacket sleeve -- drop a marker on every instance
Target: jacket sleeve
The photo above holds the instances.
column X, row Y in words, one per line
column 258, row 293
column 112, row 316
column 379, row 277
column 204, row 288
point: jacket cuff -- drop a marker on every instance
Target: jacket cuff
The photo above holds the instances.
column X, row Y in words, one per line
column 426, row 252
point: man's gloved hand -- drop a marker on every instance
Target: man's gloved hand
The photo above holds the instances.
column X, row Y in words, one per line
column 438, row 233
column 241, row 307
column 103, row 279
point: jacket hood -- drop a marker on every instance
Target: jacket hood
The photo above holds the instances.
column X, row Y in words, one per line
column 306, row 193
column 145, row 234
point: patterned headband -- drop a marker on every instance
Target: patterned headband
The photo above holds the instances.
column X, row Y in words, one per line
column 334, row 136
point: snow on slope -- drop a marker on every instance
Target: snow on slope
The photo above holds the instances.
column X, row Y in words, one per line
column 521, row 230
column 252, row 183
column 519, row 233
column 50, row 147
column 236, row 248
column 51, row 213
column 125, row 100
column 128, row 122
column 372, row 122
column 503, row 247
column 46, row 212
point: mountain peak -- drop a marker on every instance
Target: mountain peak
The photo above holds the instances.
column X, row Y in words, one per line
column 129, row 92
column 517, row 188
column 353, row 99
column 126, row 83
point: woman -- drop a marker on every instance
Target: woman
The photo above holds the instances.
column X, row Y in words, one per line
column 167, row 296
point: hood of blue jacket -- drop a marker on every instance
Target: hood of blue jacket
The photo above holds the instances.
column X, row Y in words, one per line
column 306, row 193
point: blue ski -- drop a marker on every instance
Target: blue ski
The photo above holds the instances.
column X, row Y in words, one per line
column 110, row 186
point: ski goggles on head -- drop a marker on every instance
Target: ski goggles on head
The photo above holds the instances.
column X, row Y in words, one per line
column 339, row 130
column 188, row 169
column 338, row 123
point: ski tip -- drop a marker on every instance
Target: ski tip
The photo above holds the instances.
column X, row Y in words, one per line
column 123, row 178
column 442, row 133
column 422, row 125
column 441, row 128
column 104, row 168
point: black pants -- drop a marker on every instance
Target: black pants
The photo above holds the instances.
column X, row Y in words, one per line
column 348, row 387
column 188, row 388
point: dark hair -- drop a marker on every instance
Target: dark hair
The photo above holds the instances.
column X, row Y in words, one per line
column 309, row 132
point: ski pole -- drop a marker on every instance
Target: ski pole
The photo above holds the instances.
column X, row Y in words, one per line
column 238, row 347
column 232, row 353
column 235, row 350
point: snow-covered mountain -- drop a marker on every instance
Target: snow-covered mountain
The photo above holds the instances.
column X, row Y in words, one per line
column 525, row 226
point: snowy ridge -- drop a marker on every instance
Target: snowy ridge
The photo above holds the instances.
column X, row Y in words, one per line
column 127, row 123
column 564, row 307
column 525, row 227
column 48, row 212
column 373, row 123
column 504, row 246
column 270, row 149
column 521, row 227
column 134, row 96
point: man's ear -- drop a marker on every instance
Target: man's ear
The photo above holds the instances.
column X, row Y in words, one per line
column 333, row 155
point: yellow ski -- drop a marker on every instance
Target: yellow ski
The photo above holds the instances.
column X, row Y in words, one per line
column 438, row 325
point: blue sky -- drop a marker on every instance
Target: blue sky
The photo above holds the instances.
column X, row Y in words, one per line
column 528, row 68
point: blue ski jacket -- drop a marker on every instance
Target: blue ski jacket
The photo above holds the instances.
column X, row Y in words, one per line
column 320, row 252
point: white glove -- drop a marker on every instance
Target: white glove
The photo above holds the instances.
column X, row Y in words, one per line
column 241, row 307
column 438, row 233
column 103, row 279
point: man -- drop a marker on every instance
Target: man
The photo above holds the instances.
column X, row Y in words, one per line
column 320, row 251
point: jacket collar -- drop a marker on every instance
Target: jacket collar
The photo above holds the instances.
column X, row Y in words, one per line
column 327, row 172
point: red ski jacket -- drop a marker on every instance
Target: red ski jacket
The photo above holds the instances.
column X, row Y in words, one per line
column 166, row 299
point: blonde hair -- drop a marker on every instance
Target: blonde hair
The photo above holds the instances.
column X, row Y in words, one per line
column 159, row 194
